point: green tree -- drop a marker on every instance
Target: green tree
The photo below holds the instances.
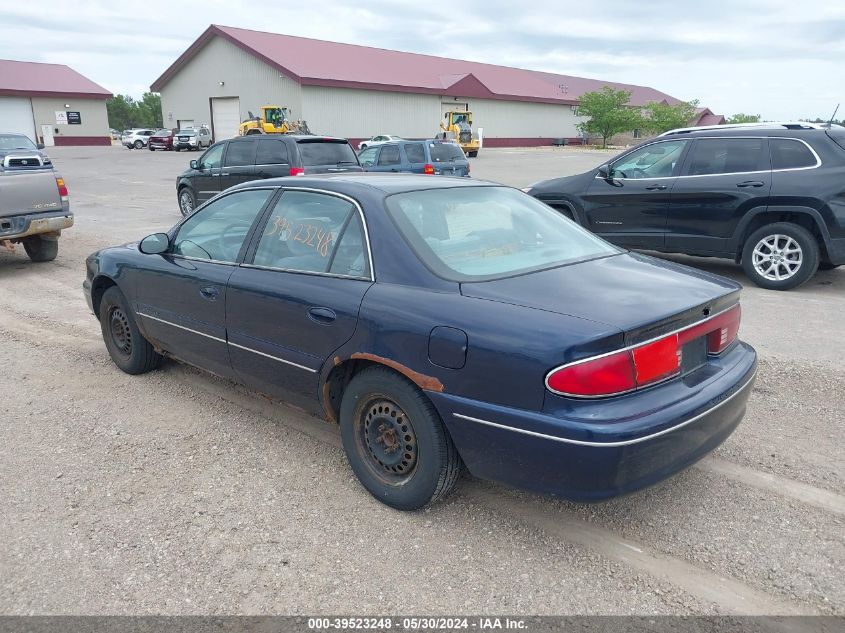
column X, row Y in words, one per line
column 124, row 112
column 744, row 118
column 121, row 112
column 149, row 110
column 608, row 112
column 662, row 117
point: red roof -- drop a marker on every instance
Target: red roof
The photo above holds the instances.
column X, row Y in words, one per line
column 321, row 63
column 705, row 116
column 46, row 80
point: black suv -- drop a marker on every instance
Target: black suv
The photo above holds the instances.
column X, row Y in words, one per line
column 240, row 159
column 771, row 196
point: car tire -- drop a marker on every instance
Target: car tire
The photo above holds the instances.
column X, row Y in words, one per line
column 41, row 249
column 187, row 201
column 129, row 350
column 138, row 144
column 395, row 440
column 175, row 149
column 151, row 148
column 771, row 252
column 472, row 154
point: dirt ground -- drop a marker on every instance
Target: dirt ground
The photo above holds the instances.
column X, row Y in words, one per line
column 177, row 492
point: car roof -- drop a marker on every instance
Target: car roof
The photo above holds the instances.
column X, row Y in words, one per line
column 350, row 182
column 799, row 128
column 293, row 137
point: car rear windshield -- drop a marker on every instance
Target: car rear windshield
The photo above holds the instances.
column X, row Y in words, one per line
column 326, row 153
column 444, row 152
column 187, row 133
column 478, row 233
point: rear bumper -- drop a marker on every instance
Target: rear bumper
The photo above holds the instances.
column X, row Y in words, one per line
column 20, row 226
column 585, row 461
column 156, row 145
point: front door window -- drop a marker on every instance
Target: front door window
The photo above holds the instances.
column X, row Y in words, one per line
column 656, row 160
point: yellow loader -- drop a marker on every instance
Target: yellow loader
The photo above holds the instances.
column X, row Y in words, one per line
column 273, row 120
column 458, row 127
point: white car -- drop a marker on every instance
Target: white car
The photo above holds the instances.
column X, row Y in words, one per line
column 378, row 140
column 192, row 138
column 137, row 138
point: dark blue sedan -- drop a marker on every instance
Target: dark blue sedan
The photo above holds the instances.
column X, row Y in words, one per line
column 440, row 322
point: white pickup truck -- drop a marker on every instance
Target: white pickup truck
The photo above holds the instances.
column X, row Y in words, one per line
column 34, row 205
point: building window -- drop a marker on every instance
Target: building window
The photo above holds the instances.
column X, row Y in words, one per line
column 637, row 133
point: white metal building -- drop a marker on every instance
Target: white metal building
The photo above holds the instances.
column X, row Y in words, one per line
column 358, row 91
column 52, row 104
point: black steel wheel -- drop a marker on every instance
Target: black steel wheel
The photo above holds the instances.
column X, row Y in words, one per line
column 129, row 350
column 395, row 440
column 387, row 439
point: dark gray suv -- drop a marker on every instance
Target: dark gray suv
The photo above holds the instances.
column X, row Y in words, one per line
column 771, row 196
column 255, row 157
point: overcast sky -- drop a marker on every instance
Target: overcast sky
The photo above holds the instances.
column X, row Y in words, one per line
column 779, row 58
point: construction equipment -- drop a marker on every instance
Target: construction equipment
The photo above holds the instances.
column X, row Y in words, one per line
column 458, row 127
column 273, row 120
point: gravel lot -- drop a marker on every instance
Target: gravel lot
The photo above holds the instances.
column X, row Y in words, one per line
column 177, row 492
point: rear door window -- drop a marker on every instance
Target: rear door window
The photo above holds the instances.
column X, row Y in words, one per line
column 710, row 156
column 302, row 232
column 415, row 152
column 240, row 153
column 389, row 155
column 789, row 153
column 445, row 152
column 326, row 153
column 271, row 152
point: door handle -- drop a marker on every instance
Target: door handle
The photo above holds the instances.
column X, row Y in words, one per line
column 324, row 316
column 750, row 183
column 210, row 292
column 656, row 187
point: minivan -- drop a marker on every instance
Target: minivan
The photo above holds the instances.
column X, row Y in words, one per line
column 260, row 156
column 441, row 158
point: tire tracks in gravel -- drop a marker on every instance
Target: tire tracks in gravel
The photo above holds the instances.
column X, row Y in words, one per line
column 731, row 595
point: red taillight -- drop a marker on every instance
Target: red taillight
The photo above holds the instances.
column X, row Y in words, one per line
column 60, row 182
column 602, row 376
column 428, row 169
column 297, row 171
column 642, row 365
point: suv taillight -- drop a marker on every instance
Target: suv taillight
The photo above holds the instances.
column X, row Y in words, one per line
column 428, row 169
column 642, row 365
column 297, row 171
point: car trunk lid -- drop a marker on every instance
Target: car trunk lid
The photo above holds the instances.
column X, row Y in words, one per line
column 642, row 296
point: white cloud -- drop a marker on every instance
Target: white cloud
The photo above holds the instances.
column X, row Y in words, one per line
column 774, row 57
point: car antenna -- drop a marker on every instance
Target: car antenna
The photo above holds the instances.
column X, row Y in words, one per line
column 833, row 116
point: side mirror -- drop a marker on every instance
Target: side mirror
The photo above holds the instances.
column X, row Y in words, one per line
column 40, row 146
column 154, row 244
column 195, row 164
column 604, row 171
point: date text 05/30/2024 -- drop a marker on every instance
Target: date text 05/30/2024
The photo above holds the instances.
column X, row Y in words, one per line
column 416, row 624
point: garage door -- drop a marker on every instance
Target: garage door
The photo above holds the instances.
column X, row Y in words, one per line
column 225, row 117
column 16, row 116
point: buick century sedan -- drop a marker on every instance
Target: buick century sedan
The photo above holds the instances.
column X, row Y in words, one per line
column 441, row 323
